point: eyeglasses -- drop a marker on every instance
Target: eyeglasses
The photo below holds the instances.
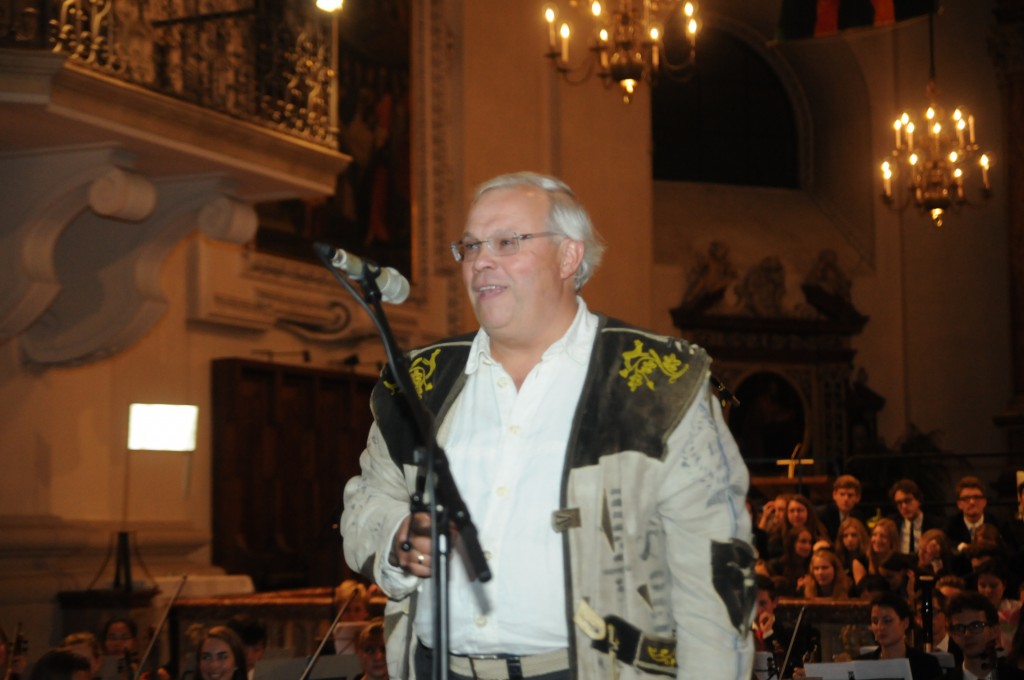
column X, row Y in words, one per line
column 973, row 626
column 904, row 501
column 973, row 497
column 499, row 244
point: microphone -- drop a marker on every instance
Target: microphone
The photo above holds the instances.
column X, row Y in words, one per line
column 394, row 287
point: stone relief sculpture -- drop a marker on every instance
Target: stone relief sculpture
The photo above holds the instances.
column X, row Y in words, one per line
column 709, row 280
column 763, row 288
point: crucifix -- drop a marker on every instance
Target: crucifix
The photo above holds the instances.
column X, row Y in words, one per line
column 793, row 461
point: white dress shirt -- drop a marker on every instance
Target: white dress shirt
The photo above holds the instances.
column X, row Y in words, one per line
column 506, row 450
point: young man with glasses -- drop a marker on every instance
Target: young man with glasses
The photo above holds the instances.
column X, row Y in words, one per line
column 607, row 491
column 974, row 625
column 961, row 527
column 912, row 522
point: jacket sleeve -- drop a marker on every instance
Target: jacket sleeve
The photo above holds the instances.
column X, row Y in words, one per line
column 702, row 504
column 376, row 502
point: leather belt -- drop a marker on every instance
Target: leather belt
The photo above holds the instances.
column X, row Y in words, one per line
column 509, row 667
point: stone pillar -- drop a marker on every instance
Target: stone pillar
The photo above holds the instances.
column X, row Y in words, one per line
column 1006, row 46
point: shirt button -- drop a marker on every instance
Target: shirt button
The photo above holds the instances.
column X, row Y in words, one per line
column 480, row 621
column 487, row 555
column 502, row 491
column 502, row 382
column 514, row 430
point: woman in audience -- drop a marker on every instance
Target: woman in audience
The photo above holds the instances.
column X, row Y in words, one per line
column 828, row 578
column 120, row 636
column 890, row 620
column 356, row 595
column 221, row 655
column 852, row 548
column 773, row 522
column 884, row 539
column 934, row 555
column 990, row 580
column 792, row 566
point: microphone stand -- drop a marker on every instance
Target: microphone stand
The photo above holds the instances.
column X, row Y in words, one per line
column 440, row 495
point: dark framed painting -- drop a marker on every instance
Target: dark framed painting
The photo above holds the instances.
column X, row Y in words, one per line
column 370, row 212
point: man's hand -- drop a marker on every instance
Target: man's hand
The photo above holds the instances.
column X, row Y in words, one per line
column 416, row 561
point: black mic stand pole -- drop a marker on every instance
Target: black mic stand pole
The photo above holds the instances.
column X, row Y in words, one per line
column 441, row 496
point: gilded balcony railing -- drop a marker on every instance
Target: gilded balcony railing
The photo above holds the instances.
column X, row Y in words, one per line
column 263, row 61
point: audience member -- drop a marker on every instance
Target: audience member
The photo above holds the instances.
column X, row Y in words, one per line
column 828, row 578
column 792, row 566
column 973, row 622
column 950, row 585
column 890, row 620
column 851, row 548
column 846, row 491
column 934, row 556
column 961, row 527
column 882, row 545
column 800, row 513
column 60, row 664
column 120, row 635
column 770, row 636
column 221, row 655
column 1015, row 656
column 910, row 521
column 990, row 581
column 87, row 646
column 372, row 651
column 773, row 523
column 354, row 618
column 898, row 572
column 253, row 634
column 871, row 586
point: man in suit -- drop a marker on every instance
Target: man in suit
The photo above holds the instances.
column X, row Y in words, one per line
column 912, row 522
column 972, row 502
column 974, row 623
column 845, row 497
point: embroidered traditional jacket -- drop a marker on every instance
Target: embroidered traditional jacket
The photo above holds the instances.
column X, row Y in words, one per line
column 653, row 511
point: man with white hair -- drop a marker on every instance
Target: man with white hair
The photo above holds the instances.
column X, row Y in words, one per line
column 605, row 486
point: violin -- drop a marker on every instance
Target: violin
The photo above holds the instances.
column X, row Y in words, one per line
column 16, row 659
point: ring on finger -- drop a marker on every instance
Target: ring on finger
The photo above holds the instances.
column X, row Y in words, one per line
column 420, row 558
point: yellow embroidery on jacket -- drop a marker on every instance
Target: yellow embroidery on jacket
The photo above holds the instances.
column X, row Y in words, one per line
column 640, row 364
column 420, row 371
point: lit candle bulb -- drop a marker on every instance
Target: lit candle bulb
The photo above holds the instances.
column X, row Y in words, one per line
column 983, row 162
column 910, row 136
column 565, row 32
column 958, row 177
column 960, row 125
column 887, row 179
column 970, row 128
column 898, row 127
column 550, row 16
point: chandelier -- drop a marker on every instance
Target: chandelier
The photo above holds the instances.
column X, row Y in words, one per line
column 930, row 163
column 626, row 46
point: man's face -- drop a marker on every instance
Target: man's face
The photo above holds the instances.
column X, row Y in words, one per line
column 907, row 504
column 515, row 296
column 845, row 499
column 972, row 502
column 969, row 630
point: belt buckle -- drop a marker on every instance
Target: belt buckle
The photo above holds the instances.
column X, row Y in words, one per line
column 515, row 668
